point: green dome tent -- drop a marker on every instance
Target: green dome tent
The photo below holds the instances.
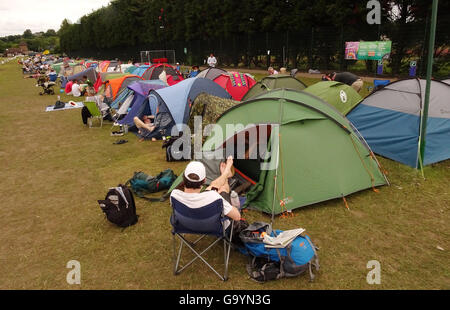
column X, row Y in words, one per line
column 317, row 157
column 272, row 82
column 341, row 96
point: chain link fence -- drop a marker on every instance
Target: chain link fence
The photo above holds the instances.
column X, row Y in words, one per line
column 319, row 48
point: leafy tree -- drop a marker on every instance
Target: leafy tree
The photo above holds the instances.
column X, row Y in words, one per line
column 50, row 33
column 239, row 30
column 27, row 34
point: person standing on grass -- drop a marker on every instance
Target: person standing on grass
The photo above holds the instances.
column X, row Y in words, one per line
column 212, row 61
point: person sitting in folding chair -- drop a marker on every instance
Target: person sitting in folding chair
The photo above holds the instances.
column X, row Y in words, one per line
column 101, row 105
column 194, row 178
column 203, row 213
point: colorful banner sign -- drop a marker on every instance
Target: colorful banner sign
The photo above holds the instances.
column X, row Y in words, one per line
column 351, row 50
column 373, row 50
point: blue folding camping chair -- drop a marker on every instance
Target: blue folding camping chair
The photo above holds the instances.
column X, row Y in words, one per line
column 205, row 221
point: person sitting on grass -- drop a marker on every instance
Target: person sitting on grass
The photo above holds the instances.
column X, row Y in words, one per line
column 145, row 126
column 146, row 129
column 76, row 89
column 190, row 191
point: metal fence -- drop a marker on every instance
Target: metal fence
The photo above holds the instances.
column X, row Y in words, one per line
column 320, row 48
column 149, row 56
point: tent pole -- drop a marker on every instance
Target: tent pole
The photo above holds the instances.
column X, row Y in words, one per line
column 275, row 185
column 423, row 122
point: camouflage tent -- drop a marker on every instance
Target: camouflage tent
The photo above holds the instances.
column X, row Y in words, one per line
column 210, row 108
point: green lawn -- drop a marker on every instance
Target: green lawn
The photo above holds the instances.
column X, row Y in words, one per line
column 54, row 170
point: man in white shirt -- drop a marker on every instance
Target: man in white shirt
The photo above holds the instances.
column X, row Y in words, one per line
column 194, row 178
column 212, row 61
column 76, row 89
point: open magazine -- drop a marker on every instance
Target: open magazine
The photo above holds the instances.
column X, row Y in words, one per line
column 282, row 239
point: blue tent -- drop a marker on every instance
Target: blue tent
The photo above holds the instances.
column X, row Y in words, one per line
column 389, row 120
column 140, row 70
column 177, row 99
column 139, row 105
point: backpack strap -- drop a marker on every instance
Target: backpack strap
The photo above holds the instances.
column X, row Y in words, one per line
column 250, row 267
column 282, row 273
column 152, row 199
column 163, row 197
column 311, row 274
column 316, row 260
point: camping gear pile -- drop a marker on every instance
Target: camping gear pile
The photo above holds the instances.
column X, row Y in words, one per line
column 47, row 85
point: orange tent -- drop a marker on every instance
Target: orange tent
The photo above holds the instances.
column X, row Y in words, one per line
column 114, row 86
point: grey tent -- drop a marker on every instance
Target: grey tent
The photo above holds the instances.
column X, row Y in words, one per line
column 90, row 73
column 389, row 120
column 211, row 73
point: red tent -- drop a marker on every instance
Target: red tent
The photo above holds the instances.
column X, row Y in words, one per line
column 173, row 76
column 235, row 83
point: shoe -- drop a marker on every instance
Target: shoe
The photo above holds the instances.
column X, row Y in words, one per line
column 120, row 142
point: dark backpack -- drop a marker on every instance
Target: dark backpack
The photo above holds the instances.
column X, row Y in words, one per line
column 142, row 183
column 266, row 264
column 119, row 206
column 171, row 154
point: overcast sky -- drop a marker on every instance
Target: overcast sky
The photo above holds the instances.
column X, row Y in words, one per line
column 40, row 15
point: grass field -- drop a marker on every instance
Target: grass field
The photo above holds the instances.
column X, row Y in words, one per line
column 54, row 169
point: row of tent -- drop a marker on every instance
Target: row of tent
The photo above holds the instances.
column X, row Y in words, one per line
column 327, row 136
column 317, row 154
column 112, row 83
column 177, row 99
column 388, row 119
column 328, row 133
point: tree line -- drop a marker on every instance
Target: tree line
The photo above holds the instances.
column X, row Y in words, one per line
column 38, row 42
column 295, row 33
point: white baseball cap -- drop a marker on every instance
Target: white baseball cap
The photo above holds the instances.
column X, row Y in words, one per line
column 197, row 168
